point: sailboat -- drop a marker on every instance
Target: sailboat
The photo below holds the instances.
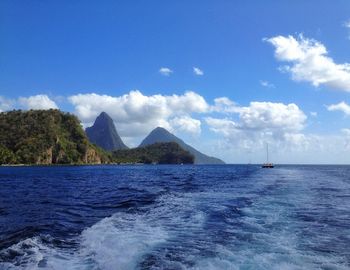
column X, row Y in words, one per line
column 267, row 164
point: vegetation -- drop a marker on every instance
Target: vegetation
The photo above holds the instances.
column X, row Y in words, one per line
column 54, row 137
column 45, row 137
column 160, row 153
column 160, row 134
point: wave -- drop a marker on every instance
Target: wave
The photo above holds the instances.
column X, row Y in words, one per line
column 121, row 241
column 261, row 227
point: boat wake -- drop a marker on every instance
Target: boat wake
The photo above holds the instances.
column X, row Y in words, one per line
column 282, row 222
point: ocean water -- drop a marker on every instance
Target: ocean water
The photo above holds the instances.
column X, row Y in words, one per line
column 175, row 217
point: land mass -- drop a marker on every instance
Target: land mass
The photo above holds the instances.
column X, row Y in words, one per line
column 160, row 134
column 46, row 137
column 104, row 134
column 159, row 153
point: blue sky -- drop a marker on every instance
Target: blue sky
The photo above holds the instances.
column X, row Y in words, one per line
column 60, row 49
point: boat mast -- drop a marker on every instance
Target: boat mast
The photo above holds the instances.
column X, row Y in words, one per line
column 267, row 153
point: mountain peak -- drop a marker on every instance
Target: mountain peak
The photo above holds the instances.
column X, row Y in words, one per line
column 103, row 118
column 160, row 130
column 104, row 134
column 161, row 135
column 104, row 115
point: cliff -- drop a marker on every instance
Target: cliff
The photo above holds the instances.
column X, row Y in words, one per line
column 45, row 137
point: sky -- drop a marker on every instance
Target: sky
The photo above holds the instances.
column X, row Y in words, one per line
column 228, row 77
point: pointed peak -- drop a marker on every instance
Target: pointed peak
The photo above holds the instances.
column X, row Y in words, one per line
column 103, row 118
column 104, row 134
column 104, row 115
column 160, row 129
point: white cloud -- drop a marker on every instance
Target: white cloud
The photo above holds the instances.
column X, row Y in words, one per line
column 38, row 102
column 260, row 115
column 165, row 71
column 224, row 105
column 136, row 114
column 258, row 123
column 197, row 71
column 186, row 124
column 263, row 114
column 347, row 25
column 313, row 114
column 342, row 106
column 5, row 104
column 309, row 61
column 224, row 126
column 267, row 84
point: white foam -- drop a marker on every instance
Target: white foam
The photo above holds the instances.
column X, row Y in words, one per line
column 251, row 259
column 124, row 240
column 117, row 242
column 120, row 241
column 30, row 253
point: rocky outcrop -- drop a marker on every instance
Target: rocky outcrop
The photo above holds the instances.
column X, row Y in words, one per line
column 92, row 157
column 104, row 134
column 45, row 158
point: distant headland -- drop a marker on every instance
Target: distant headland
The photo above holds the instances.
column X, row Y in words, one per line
column 53, row 137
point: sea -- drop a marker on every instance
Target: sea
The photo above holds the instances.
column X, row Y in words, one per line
column 175, row 217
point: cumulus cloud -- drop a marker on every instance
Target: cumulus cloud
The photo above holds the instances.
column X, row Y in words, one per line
column 259, row 122
column 136, row 114
column 165, row 71
column 341, row 106
column 267, row 84
column 224, row 126
column 186, row 124
column 197, row 71
column 264, row 114
column 224, row 105
column 38, row 102
column 309, row 61
column 261, row 115
column 5, row 104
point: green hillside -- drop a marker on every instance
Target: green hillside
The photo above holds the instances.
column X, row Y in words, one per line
column 45, row 137
column 160, row 153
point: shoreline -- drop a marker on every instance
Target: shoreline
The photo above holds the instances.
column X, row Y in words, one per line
column 145, row 164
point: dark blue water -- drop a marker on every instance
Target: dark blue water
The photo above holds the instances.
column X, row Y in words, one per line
column 175, row 217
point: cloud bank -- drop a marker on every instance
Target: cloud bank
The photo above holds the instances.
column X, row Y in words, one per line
column 233, row 130
column 5, row 104
column 137, row 114
column 38, row 102
column 258, row 123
